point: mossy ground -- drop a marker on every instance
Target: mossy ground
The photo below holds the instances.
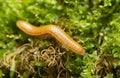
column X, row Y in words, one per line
column 93, row 24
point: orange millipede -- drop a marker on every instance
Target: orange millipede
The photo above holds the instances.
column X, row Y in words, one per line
column 53, row 30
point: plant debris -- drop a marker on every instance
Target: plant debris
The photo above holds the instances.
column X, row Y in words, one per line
column 29, row 58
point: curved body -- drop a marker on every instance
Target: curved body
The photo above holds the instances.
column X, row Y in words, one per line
column 55, row 31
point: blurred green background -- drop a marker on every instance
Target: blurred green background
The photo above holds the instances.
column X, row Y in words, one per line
column 94, row 24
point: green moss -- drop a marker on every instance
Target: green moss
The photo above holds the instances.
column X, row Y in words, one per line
column 95, row 24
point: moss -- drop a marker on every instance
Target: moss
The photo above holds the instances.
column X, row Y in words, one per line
column 95, row 25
